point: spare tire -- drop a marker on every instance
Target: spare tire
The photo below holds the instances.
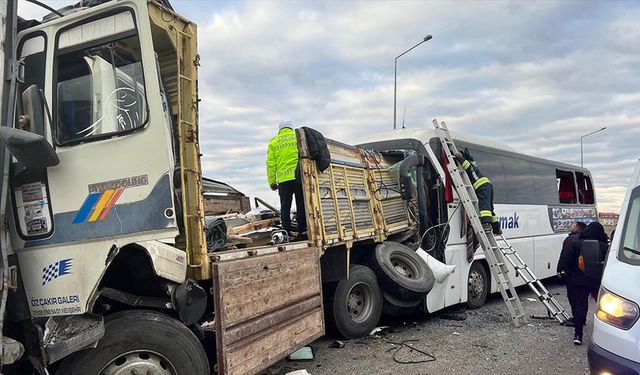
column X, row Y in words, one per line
column 395, row 308
column 401, row 272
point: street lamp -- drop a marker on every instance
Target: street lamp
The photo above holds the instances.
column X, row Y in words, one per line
column 586, row 135
column 395, row 75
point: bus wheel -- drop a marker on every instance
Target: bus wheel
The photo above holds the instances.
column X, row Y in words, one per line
column 478, row 286
column 140, row 342
column 354, row 308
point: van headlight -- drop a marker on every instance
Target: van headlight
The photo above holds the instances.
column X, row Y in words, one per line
column 617, row 311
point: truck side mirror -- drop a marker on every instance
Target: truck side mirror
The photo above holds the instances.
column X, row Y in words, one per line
column 28, row 144
column 32, row 150
column 33, row 107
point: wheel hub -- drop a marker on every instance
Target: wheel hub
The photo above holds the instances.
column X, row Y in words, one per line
column 359, row 302
column 139, row 363
column 476, row 284
column 403, row 269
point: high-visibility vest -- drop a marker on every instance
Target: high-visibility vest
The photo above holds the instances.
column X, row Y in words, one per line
column 282, row 157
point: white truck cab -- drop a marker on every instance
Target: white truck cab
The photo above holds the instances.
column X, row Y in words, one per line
column 616, row 332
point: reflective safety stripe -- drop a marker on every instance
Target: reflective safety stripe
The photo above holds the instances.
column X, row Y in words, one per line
column 495, row 219
column 466, row 164
column 485, row 213
column 481, row 181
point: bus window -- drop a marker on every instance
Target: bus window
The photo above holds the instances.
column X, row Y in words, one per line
column 566, row 186
column 518, row 180
column 490, row 164
column 544, row 183
column 585, row 189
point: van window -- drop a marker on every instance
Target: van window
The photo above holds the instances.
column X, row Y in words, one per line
column 630, row 251
column 566, row 186
column 99, row 91
column 585, row 189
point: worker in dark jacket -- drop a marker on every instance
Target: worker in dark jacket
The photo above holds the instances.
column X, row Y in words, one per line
column 581, row 284
column 564, row 268
column 484, row 191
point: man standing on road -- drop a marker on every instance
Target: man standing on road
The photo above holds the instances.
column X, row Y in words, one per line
column 282, row 164
column 564, row 269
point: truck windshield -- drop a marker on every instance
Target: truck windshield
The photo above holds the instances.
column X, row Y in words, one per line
column 100, row 91
column 630, row 251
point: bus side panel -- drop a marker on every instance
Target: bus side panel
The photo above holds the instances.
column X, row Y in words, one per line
column 547, row 251
column 267, row 305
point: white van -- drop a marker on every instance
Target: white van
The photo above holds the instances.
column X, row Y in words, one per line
column 616, row 333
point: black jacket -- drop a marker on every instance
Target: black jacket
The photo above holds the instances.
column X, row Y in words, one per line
column 593, row 231
column 564, row 263
column 318, row 149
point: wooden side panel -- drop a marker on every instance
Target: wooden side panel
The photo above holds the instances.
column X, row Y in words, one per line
column 267, row 306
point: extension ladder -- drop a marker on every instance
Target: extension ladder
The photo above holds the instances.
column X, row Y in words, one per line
column 495, row 253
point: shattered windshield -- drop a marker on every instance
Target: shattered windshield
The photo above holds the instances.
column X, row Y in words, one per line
column 630, row 251
column 100, row 91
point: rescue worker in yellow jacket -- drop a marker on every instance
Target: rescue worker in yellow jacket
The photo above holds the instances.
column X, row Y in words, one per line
column 484, row 191
column 282, row 173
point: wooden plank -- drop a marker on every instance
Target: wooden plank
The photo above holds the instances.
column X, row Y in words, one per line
column 250, row 227
column 267, row 306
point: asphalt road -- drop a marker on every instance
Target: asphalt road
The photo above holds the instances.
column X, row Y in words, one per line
column 486, row 342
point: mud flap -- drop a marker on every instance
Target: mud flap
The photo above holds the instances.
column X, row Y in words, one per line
column 268, row 303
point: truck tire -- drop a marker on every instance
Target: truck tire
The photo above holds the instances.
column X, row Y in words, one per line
column 401, row 272
column 395, row 308
column 146, row 341
column 354, row 306
column 477, row 286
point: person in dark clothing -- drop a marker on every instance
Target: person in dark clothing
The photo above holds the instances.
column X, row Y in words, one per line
column 564, row 269
column 581, row 284
column 484, row 192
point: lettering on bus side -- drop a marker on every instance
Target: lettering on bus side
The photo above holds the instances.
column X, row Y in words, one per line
column 510, row 222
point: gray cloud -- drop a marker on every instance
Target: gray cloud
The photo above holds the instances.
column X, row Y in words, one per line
column 533, row 75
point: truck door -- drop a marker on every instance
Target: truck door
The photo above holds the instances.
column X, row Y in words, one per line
column 113, row 184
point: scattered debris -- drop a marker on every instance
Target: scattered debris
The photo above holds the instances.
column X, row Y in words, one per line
column 303, row 354
column 456, row 333
column 406, row 348
column 531, row 299
column 377, row 330
column 454, row 316
column 298, row 372
column 337, row 344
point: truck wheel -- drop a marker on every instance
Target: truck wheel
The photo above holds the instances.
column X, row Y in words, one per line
column 401, row 272
column 394, row 308
column 478, row 286
column 354, row 308
column 140, row 342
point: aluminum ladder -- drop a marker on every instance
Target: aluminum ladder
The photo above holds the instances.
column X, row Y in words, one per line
column 554, row 309
column 494, row 252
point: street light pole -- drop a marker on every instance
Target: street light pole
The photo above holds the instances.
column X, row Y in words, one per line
column 581, row 138
column 395, row 76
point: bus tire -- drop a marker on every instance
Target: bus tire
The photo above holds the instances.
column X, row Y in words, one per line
column 156, row 343
column 477, row 286
column 394, row 308
column 354, row 306
column 401, row 272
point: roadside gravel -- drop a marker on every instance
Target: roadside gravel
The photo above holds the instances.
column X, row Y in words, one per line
column 486, row 342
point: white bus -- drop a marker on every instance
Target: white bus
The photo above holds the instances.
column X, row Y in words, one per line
column 536, row 200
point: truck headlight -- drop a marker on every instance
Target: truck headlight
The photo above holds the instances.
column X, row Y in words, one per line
column 617, row 311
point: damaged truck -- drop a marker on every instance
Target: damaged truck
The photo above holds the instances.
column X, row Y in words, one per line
column 105, row 261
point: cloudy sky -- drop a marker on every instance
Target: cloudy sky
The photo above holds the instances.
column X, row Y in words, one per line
column 533, row 75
